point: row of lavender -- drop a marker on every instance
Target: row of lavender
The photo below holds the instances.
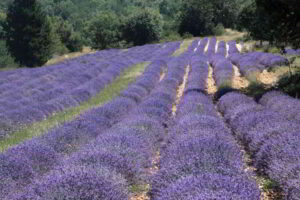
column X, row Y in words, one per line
column 253, row 61
column 223, row 69
column 31, row 160
column 67, row 86
column 201, row 159
column 103, row 168
column 271, row 133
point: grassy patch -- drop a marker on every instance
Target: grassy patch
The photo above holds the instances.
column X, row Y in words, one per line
column 183, row 47
column 7, row 68
column 139, row 188
column 107, row 94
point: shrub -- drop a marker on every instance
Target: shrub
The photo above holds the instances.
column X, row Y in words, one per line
column 290, row 84
column 29, row 33
column 143, row 27
column 104, row 30
column 73, row 182
column 218, row 30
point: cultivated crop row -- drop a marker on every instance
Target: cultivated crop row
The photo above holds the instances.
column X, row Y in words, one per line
column 201, row 159
column 272, row 138
column 107, row 166
column 22, row 164
column 39, row 93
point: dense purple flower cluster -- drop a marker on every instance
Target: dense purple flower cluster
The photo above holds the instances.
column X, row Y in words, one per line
column 107, row 149
column 232, row 48
column 221, row 51
column 202, row 45
column 201, row 157
column 292, row 51
column 223, row 70
column 211, row 50
column 271, row 137
column 193, row 47
column 279, row 102
column 125, row 149
column 77, row 182
column 35, row 94
column 256, row 61
column 40, row 155
column 198, row 74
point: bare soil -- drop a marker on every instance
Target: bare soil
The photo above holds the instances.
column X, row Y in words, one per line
column 211, row 84
column 238, row 81
column 180, row 90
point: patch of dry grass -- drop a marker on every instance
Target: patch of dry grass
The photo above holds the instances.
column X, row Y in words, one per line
column 57, row 59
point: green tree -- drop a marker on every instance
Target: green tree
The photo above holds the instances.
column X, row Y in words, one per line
column 104, row 30
column 28, row 33
column 196, row 17
column 285, row 18
column 257, row 23
column 143, row 27
column 71, row 39
column 2, row 24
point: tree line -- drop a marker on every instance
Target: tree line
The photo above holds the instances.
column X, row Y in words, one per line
column 31, row 31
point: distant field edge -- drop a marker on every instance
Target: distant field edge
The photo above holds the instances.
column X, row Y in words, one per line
column 183, row 47
column 108, row 93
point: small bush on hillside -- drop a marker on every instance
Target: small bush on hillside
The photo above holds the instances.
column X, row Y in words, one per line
column 171, row 36
column 290, row 84
column 187, row 35
column 104, row 30
column 143, row 27
column 218, row 30
column 28, row 33
column 5, row 58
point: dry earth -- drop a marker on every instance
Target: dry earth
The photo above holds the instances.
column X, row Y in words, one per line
column 211, row 84
column 180, row 90
column 238, row 81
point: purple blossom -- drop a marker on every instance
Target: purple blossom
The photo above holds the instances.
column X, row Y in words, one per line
column 78, row 182
column 211, row 186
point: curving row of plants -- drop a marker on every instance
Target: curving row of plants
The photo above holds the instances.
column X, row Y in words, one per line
column 272, row 138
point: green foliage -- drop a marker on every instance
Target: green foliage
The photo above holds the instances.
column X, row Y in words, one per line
column 2, row 24
column 104, row 30
column 71, row 39
column 143, row 27
column 285, row 16
column 218, row 30
column 257, row 23
column 5, row 58
column 187, row 35
column 75, row 42
column 29, row 34
column 290, row 84
column 256, row 89
column 199, row 17
column 196, row 18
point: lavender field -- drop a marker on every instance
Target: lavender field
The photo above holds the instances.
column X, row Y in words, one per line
column 141, row 124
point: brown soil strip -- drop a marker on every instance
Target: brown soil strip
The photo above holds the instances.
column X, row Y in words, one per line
column 266, row 194
column 270, row 78
column 180, row 90
column 227, row 49
column 238, row 81
column 211, row 87
column 162, row 76
column 217, row 46
column 206, row 47
column 141, row 196
column 239, row 47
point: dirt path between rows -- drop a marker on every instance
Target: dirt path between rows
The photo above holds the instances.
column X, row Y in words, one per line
column 238, row 81
column 180, row 90
column 155, row 161
column 211, row 87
